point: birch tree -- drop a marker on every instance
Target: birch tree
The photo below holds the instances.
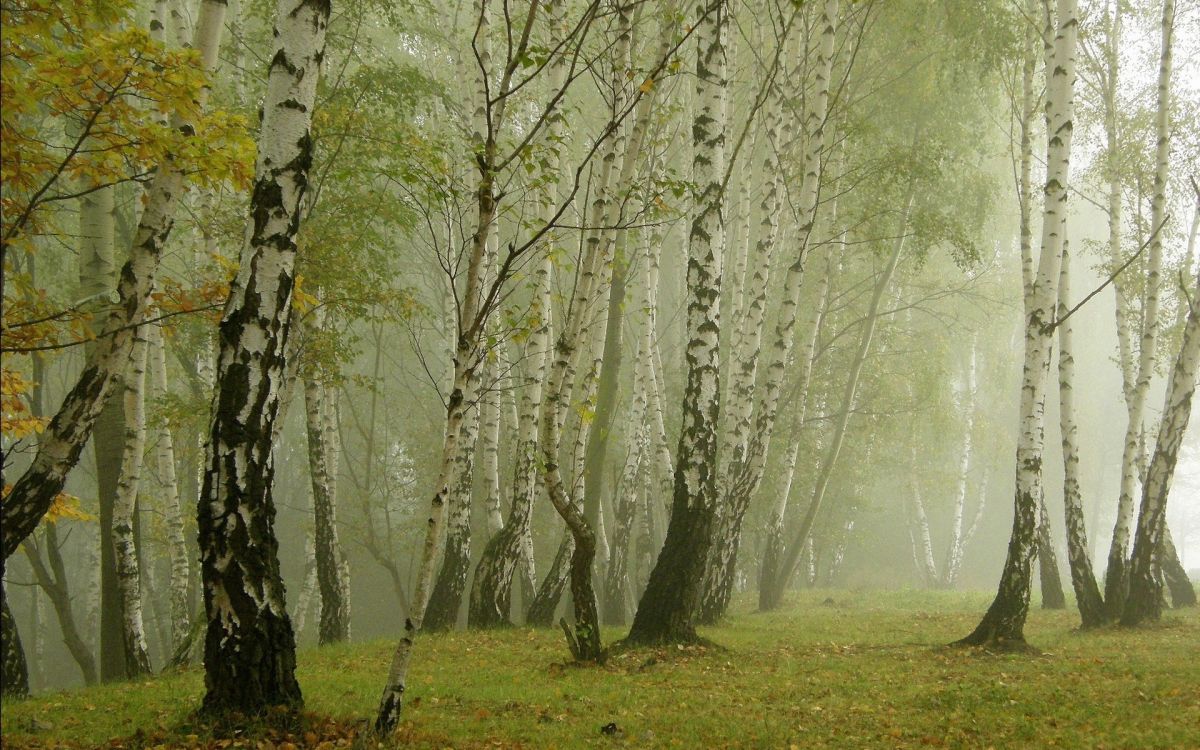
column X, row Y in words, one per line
column 172, row 511
column 1083, row 579
column 1003, row 624
column 1144, row 602
column 249, row 652
column 668, row 608
column 137, row 658
column 747, row 457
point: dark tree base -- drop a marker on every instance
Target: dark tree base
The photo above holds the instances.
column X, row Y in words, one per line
column 1143, row 604
column 1116, row 587
column 491, row 591
column 14, row 676
column 541, row 610
column 1183, row 594
column 251, row 671
column 441, row 614
column 667, row 613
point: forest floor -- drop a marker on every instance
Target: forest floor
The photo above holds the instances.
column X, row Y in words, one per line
column 835, row 669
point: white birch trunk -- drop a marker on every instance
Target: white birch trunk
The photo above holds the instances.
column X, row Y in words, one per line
column 928, row 564
column 1116, row 577
column 177, row 546
column 490, row 435
column 1005, row 620
column 957, row 543
column 250, row 647
column 1144, row 601
column 669, row 606
column 137, row 657
column 1083, row 580
column 1151, row 521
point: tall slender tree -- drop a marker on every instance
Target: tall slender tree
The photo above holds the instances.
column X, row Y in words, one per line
column 1004, row 623
column 669, row 606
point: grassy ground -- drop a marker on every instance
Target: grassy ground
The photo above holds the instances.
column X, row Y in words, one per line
column 836, row 670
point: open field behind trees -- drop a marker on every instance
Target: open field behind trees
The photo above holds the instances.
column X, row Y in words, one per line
column 833, row 669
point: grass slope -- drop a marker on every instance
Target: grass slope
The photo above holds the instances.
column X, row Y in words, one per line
column 836, row 670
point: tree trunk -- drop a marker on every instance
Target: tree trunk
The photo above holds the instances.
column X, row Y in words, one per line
column 1083, row 580
column 747, row 459
column 1116, row 581
column 334, row 614
column 137, row 657
column 249, row 652
column 446, row 598
column 172, row 513
column 928, row 565
column 1145, row 588
column 489, row 438
column 668, row 609
column 773, row 548
column 1004, row 623
column 541, row 610
column 491, row 590
column 957, row 543
column 1183, row 594
column 616, row 580
column 14, row 671
column 468, row 354
column 1144, row 584
column 1048, row 575
column 308, row 587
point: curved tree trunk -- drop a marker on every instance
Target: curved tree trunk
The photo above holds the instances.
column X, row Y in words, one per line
column 133, row 632
column 541, row 610
column 65, row 436
column 1145, row 588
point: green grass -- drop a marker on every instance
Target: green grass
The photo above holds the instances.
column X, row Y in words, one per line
column 867, row 669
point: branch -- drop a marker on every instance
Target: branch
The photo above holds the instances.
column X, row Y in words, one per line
column 114, row 331
column 1112, row 277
